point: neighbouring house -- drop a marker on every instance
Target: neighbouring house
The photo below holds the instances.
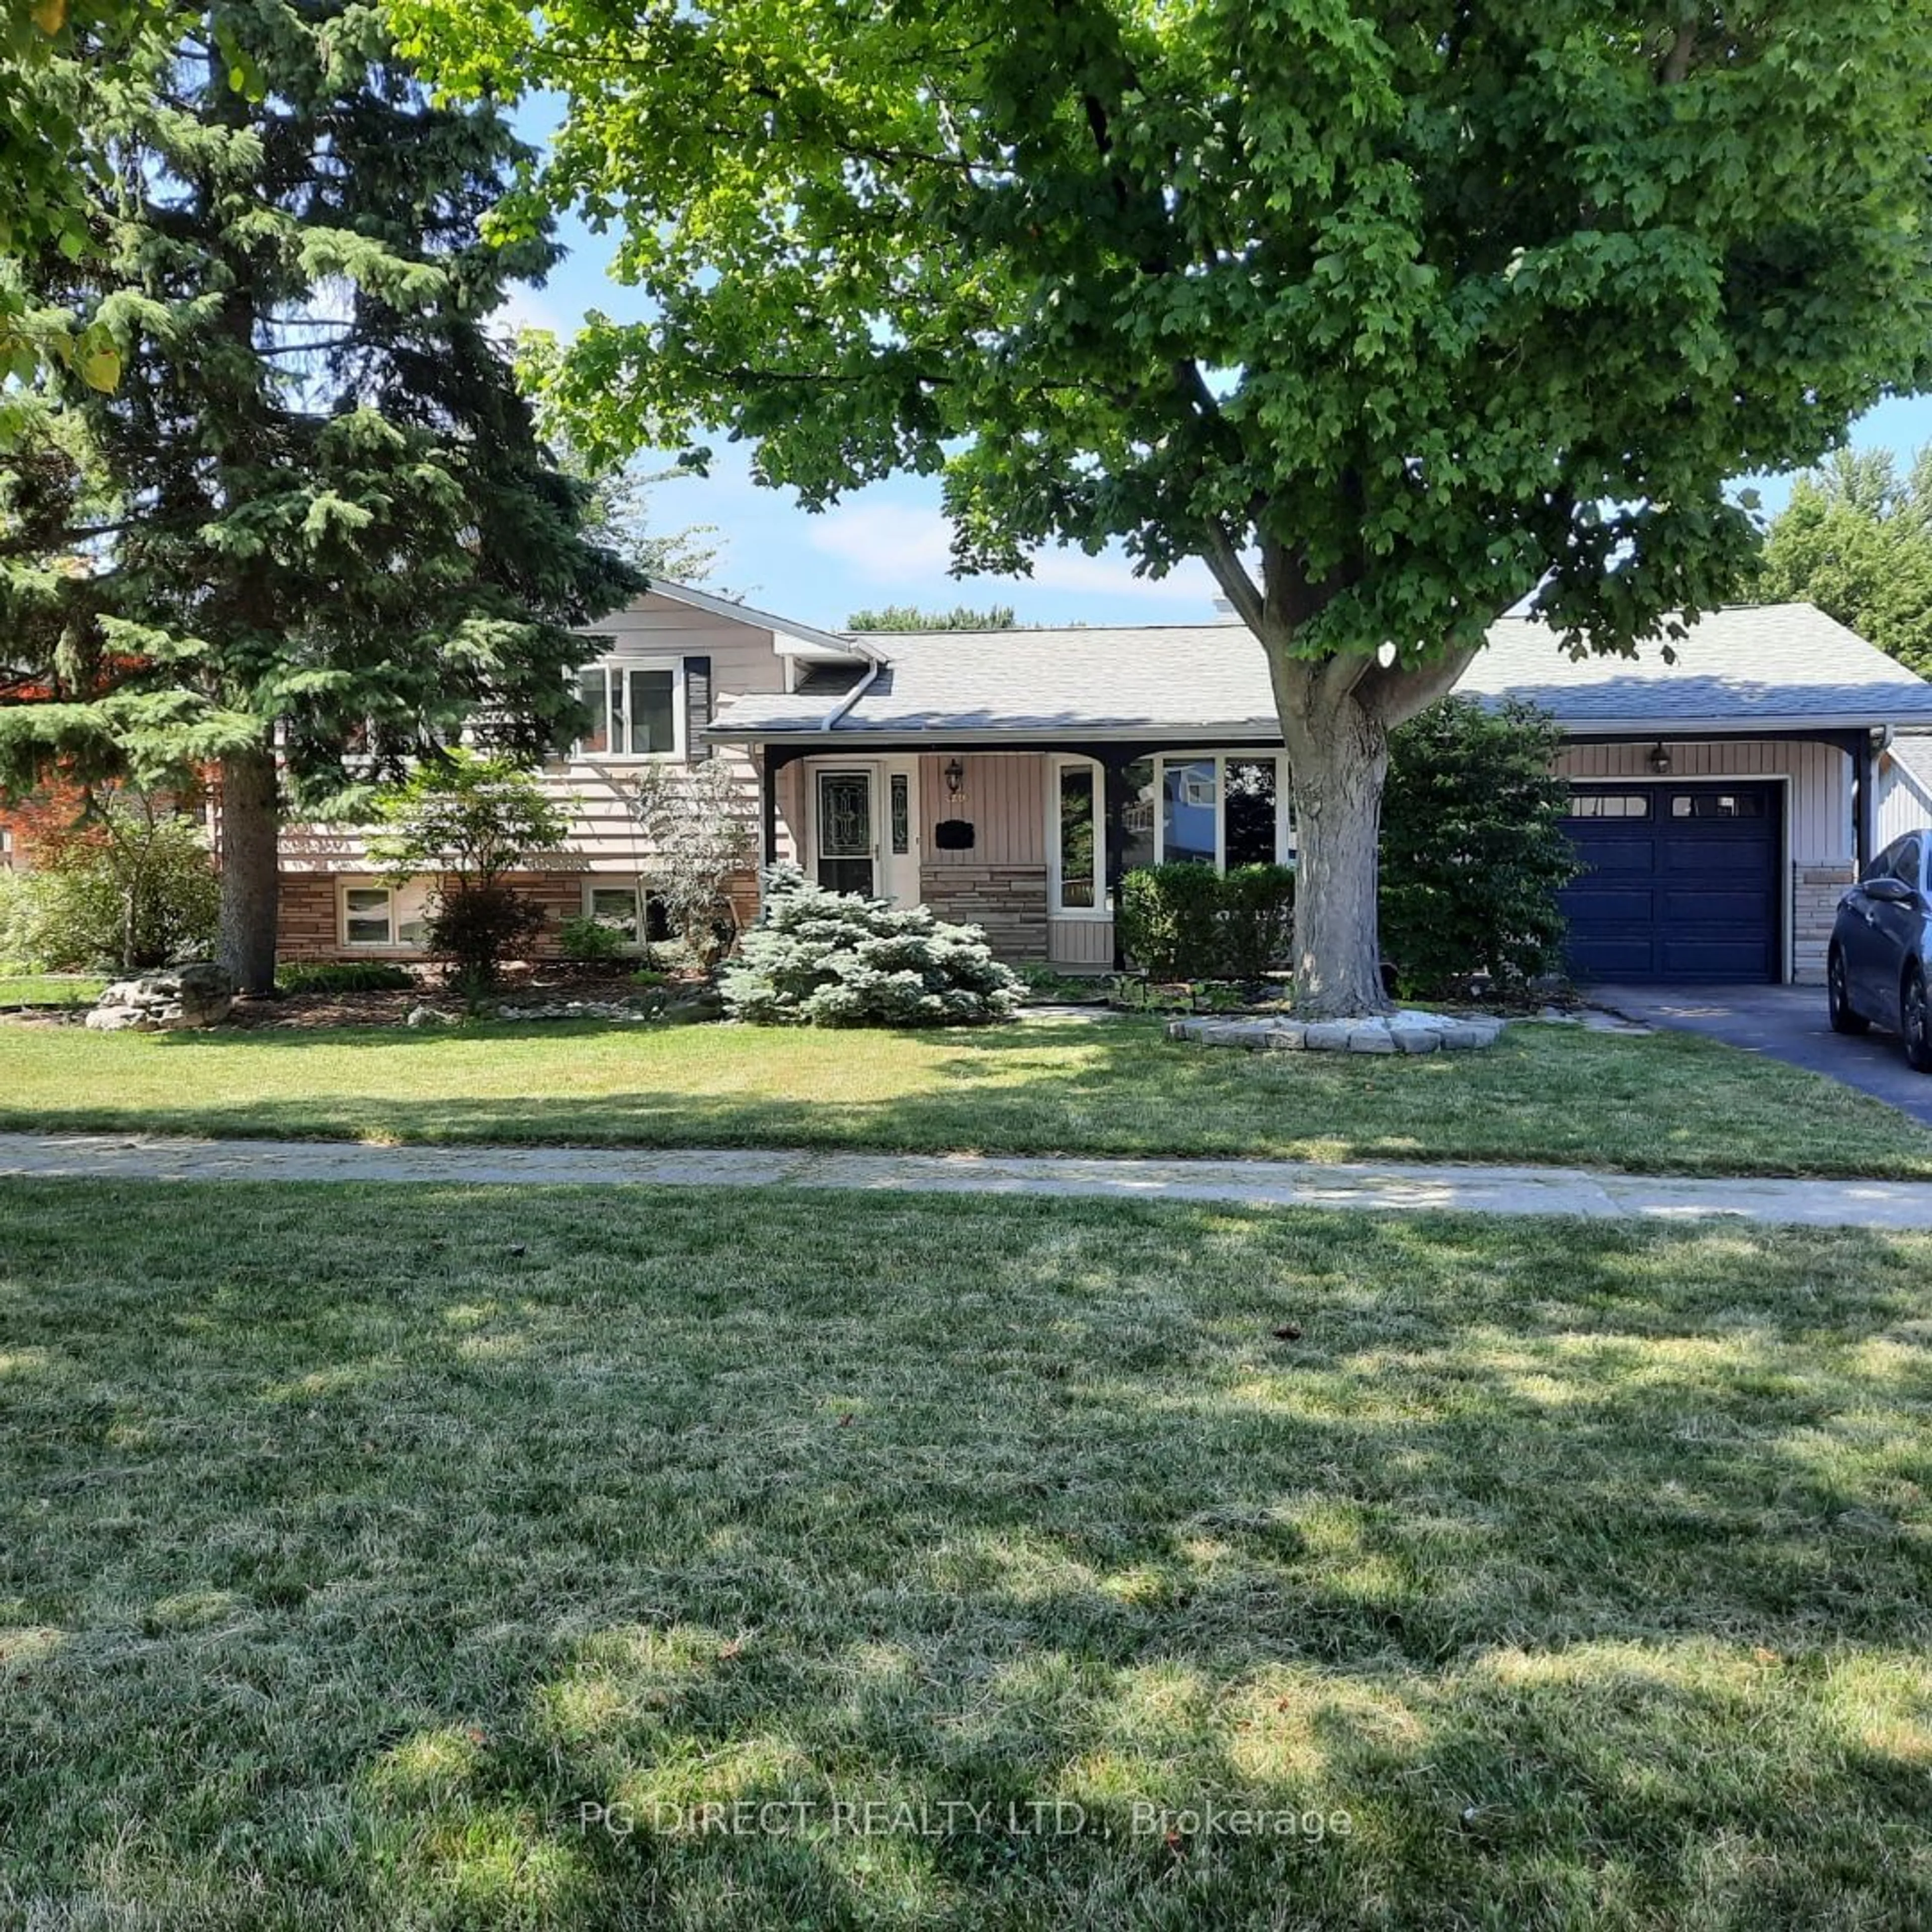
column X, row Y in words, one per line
column 1720, row 803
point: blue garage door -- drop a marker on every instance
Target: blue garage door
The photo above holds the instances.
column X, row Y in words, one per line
column 1679, row 883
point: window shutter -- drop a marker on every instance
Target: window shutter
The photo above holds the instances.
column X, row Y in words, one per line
column 697, row 705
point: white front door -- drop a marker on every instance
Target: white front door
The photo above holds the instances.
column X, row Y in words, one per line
column 865, row 827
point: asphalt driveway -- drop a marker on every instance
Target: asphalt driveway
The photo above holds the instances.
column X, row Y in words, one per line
column 1786, row 1022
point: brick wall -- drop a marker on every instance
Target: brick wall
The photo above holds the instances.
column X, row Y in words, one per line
column 1009, row 900
column 1816, row 890
column 308, row 926
column 305, row 921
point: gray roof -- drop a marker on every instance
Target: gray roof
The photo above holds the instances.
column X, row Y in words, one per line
column 1746, row 668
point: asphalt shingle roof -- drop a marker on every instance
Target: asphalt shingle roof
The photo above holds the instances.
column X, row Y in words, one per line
column 1742, row 668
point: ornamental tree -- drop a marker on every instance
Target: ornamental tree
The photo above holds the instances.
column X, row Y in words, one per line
column 311, row 535
column 1393, row 312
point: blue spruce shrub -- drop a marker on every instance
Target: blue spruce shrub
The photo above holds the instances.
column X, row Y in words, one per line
column 821, row 958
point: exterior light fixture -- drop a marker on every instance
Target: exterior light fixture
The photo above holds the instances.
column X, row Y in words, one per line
column 955, row 777
column 1660, row 757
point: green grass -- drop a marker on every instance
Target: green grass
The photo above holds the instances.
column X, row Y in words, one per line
column 346, row 1559
column 1671, row 1103
column 49, row 989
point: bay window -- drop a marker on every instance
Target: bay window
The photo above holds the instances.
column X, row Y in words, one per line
column 1217, row 808
column 1078, row 850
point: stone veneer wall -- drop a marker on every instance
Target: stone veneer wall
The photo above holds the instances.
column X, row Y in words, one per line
column 1816, row 890
column 1009, row 900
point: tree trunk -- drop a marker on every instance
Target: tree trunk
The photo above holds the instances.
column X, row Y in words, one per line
column 1337, row 714
column 251, row 828
column 1338, row 760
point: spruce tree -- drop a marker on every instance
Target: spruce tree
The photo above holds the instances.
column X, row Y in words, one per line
column 312, row 534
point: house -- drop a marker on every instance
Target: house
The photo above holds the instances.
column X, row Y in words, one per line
column 1720, row 803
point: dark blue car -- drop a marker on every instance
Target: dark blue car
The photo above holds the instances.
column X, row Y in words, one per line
column 1878, row 969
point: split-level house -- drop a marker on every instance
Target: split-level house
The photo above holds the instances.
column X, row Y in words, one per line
column 1720, row 804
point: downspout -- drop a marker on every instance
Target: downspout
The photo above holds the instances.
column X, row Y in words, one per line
column 837, row 713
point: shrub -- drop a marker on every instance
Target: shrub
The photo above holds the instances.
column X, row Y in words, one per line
column 821, row 958
column 475, row 929
column 1257, row 919
column 589, row 941
column 471, row 820
column 694, row 819
column 345, row 975
column 1168, row 920
column 1186, row 921
column 1473, row 852
column 133, row 887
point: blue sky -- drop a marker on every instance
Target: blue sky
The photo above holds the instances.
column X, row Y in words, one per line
column 888, row 544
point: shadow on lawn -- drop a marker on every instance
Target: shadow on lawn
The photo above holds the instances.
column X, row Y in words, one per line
column 1042, row 1088
column 1582, row 1578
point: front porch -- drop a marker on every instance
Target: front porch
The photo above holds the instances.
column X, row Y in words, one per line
column 1030, row 843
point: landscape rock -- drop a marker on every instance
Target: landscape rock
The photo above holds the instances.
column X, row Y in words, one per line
column 1410, row 1030
column 184, row 998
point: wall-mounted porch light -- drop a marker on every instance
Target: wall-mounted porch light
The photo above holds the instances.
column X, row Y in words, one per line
column 955, row 777
column 1659, row 758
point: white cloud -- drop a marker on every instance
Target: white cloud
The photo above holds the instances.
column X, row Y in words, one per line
column 907, row 546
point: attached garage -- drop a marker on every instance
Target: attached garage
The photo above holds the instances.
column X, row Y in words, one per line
column 1681, row 882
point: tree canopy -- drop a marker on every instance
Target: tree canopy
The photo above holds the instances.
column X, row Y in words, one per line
column 312, row 532
column 1392, row 313
column 1856, row 539
column 914, row 617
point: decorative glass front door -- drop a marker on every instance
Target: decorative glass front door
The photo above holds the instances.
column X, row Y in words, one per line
column 846, row 847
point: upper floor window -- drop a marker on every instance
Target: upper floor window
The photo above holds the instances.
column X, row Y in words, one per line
column 637, row 710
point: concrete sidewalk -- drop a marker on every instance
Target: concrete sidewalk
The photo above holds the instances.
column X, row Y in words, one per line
column 1390, row 1187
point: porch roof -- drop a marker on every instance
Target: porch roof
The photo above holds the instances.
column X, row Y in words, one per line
column 1767, row 668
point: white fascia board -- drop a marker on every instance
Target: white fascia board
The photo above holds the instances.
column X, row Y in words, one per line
column 832, row 647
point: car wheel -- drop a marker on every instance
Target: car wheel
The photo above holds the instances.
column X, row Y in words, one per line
column 1837, row 998
column 1915, row 1022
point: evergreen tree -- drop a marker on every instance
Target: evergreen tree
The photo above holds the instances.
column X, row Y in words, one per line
column 313, row 534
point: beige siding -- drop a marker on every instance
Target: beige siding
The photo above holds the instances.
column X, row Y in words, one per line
column 1084, row 945
column 1820, row 830
column 1003, row 795
column 603, row 837
column 1904, row 798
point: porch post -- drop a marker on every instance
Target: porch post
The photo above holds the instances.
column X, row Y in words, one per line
column 769, row 765
column 1861, row 781
column 1115, row 766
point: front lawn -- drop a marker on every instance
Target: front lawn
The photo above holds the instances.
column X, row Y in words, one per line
column 1547, row 1094
column 50, row 989
column 408, row 1557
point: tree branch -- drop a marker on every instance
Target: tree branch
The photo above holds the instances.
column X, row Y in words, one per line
column 1676, row 64
column 1233, row 576
column 1397, row 692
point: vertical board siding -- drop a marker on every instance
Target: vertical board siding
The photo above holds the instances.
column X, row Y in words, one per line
column 1904, row 799
column 1081, row 943
column 1820, row 775
column 1003, row 795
